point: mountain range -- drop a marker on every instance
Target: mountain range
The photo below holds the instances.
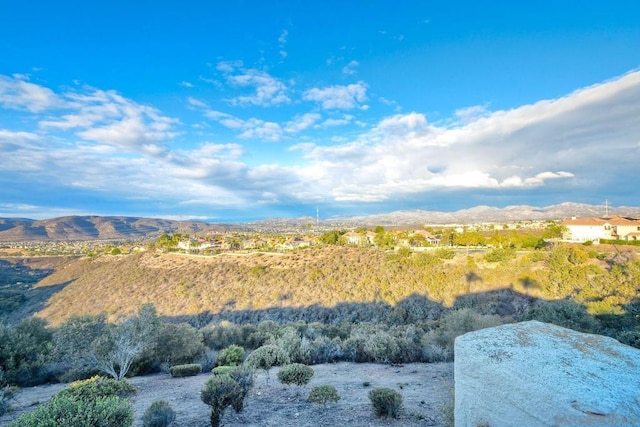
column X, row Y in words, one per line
column 77, row 228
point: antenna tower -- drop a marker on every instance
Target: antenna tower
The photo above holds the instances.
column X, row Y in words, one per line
column 606, row 208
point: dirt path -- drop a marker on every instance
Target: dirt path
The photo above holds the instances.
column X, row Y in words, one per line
column 425, row 388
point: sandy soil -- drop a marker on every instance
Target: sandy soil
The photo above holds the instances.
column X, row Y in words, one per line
column 425, row 388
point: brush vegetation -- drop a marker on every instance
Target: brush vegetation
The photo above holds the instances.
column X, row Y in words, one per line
column 130, row 315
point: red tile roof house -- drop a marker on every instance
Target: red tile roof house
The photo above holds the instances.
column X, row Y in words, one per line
column 614, row 228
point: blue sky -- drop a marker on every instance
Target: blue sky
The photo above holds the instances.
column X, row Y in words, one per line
column 234, row 111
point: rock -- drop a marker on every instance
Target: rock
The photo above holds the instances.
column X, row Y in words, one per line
column 537, row 374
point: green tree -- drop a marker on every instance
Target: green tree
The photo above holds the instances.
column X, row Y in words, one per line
column 553, row 230
column 333, row 237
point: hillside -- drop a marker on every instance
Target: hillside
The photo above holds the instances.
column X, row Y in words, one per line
column 96, row 228
column 327, row 284
column 320, row 282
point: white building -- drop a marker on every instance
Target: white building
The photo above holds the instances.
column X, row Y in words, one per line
column 614, row 228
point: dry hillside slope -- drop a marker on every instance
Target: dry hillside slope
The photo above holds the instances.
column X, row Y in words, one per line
column 181, row 285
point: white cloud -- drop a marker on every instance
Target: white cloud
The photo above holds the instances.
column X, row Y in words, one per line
column 338, row 97
column 18, row 93
column 109, row 118
column 194, row 102
column 350, row 68
column 581, row 141
column 185, row 83
column 269, row 90
column 586, row 138
column 7, row 135
column 259, row 129
column 302, row 122
column 282, row 41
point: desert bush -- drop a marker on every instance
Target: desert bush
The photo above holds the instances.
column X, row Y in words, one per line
column 179, row 344
column 295, row 373
column 219, row 392
column 267, row 357
column 65, row 411
column 222, row 335
column 244, row 376
column 25, row 351
column 208, row 360
column 288, row 339
column 320, row 350
column 73, row 340
column 631, row 338
column 230, row 356
column 187, row 370
column 381, row 347
column 97, row 387
column 159, row 414
column 222, row 370
column 386, row 402
column 565, row 313
column 500, row 255
column 323, row 394
column 444, row 253
column 437, row 344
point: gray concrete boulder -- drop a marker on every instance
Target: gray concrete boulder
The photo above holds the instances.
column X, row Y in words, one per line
column 537, row 374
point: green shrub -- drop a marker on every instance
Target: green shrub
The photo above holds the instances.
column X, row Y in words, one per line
column 187, row 370
column 24, row 351
column 222, row 370
column 296, row 373
column 500, row 255
column 97, row 387
column 230, row 356
column 438, row 343
column 219, row 392
column 179, row 343
column 381, row 347
column 159, row 414
column 565, row 313
column 244, row 376
column 631, row 338
column 65, row 411
column 321, row 350
column 444, row 253
column 267, row 357
column 324, row 394
column 386, row 402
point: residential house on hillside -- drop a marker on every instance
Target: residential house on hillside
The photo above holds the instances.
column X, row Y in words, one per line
column 614, row 228
column 296, row 242
column 359, row 239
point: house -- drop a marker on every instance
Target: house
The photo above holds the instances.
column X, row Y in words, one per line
column 614, row 228
column 359, row 239
column 296, row 242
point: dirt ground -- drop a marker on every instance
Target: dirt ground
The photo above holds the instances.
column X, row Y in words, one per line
column 426, row 390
